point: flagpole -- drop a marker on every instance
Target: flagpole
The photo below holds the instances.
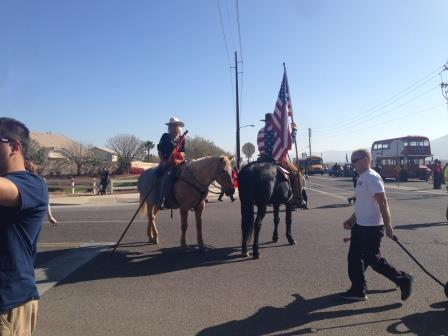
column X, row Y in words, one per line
column 292, row 119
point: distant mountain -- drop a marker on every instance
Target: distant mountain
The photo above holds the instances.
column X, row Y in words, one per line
column 335, row 156
column 439, row 147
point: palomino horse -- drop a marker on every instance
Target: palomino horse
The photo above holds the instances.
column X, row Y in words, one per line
column 189, row 192
column 261, row 184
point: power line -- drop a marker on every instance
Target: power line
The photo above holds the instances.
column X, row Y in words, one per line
column 358, row 122
column 389, row 101
column 227, row 51
column 239, row 29
column 224, row 34
column 399, row 118
column 241, row 50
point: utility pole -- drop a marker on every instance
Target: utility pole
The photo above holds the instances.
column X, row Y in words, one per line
column 309, row 139
column 444, row 86
column 238, row 155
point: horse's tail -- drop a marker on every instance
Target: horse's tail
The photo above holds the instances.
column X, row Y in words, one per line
column 247, row 219
column 143, row 208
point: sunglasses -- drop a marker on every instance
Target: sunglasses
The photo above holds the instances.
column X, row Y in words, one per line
column 356, row 160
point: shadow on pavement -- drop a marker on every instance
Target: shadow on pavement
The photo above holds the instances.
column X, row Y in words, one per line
column 126, row 264
column 333, row 206
column 431, row 322
column 419, row 225
column 300, row 312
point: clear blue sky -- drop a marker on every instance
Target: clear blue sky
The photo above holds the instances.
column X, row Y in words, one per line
column 91, row 69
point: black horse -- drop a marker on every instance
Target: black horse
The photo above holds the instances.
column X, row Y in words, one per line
column 261, row 184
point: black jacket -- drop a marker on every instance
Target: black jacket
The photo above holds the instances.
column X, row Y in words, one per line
column 166, row 145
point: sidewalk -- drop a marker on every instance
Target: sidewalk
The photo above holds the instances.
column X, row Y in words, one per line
column 94, row 199
column 107, row 199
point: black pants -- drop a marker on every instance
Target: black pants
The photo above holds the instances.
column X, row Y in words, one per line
column 365, row 251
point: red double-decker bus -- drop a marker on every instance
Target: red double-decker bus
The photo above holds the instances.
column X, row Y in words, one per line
column 402, row 157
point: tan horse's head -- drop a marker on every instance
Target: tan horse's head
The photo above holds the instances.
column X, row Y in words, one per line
column 224, row 174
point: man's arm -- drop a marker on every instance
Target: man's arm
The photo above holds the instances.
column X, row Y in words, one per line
column 348, row 224
column 385, row 213
column 9, row 194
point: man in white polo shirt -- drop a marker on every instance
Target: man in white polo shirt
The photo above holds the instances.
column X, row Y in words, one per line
column 367, row 225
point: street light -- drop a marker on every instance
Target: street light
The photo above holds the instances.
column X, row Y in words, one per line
column 247, row 126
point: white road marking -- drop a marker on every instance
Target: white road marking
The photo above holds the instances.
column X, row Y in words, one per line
column 57, row 269
column 328, row 194
column 388, row 186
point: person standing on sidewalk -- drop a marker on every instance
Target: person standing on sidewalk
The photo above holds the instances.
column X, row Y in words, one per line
column 23, row 206
column 367, row 225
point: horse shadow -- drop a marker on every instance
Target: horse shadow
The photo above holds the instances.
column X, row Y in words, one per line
column 431, row 322
column 128, row 264
column 298, row 313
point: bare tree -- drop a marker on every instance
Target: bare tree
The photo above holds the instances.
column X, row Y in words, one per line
column 37, row 154
column 199, row 147
column 128, row 148
column 79, row 155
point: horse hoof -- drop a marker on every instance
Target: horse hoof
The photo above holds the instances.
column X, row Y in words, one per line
column 156, row 240
column 150, row 240
column 292, row 242
column 256, row 256
column 274, row 239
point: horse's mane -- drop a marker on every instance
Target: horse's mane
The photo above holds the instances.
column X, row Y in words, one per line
column 205, row 161
column 290, row 167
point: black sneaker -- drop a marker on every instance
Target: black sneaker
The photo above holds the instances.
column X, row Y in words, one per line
column 406, row 286
column 352, row 295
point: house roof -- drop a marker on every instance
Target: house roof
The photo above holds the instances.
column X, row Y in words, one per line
column 52, row 140
column 104, row 149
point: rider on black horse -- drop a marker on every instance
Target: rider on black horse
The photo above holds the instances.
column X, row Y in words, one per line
column 266, row 141
column 171, row 150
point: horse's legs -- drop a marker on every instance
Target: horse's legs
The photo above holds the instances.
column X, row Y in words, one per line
column 198, row 215
column 184, row 226
column 247, row 224
column 276, row 221
column 260, row 215
column 153, row 234
column 154, row 231
column 150, row 217
column 288, row 224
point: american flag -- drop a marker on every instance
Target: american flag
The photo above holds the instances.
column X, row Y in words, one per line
column 281, row 141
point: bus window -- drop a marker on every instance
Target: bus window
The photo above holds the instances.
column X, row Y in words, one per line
column 413, row 143
column 426, row 143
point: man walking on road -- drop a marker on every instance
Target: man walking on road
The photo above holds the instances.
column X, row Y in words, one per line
column 367, row 225
column 23, row 206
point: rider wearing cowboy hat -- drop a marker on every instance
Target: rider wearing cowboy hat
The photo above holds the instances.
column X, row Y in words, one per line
column 165, row 148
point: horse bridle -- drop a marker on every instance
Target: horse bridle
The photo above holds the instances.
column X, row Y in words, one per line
column 203, row 191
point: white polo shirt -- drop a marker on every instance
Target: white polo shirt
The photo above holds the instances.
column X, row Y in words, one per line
column 367, row 210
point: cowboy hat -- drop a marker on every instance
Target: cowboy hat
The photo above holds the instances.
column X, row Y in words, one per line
column 174, row 120
column 267, row 116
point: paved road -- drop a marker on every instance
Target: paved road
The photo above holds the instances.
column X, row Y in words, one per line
column 291, row 290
